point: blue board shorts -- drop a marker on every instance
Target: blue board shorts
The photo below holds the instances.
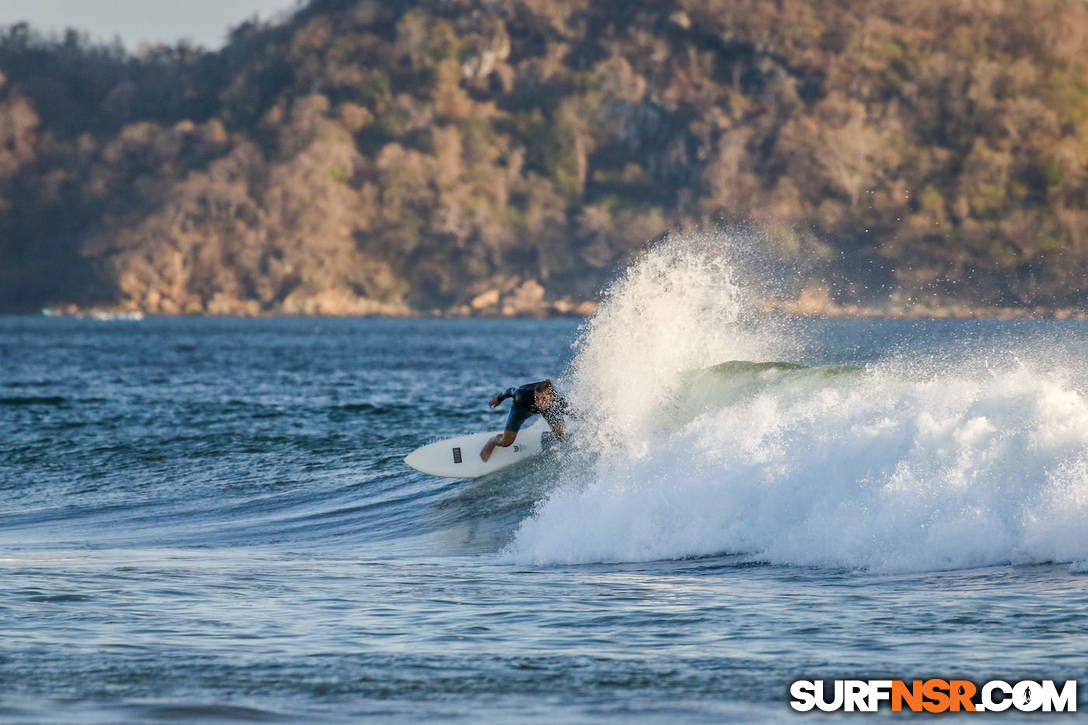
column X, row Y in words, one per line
column 517, row 417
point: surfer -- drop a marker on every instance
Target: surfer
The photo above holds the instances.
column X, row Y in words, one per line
column 529, row 399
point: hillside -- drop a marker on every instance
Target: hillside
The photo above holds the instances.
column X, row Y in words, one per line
column 491, row 157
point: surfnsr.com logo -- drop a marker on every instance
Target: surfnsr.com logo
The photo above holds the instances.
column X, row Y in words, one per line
column 934, row 695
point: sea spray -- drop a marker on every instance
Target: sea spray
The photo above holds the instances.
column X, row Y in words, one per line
column 677, row 309
column 903, row 466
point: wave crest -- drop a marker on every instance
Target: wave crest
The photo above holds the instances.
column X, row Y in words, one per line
column 891, row 468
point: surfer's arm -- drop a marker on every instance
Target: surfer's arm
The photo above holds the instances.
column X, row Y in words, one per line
column 555, row 415
column 508, row 393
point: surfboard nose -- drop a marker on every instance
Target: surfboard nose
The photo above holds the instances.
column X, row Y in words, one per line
column 414, row 459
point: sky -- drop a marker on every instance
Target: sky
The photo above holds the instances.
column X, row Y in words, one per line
column 203, row 22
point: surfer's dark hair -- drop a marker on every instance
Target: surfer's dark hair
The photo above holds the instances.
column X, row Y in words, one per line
column 544, row 386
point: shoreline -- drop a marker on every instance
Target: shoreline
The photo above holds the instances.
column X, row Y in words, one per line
column 586, row 310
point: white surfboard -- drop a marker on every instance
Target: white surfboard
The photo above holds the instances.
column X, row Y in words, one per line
column 460, row 457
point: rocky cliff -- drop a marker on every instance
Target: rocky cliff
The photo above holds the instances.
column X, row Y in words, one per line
column 484, row 157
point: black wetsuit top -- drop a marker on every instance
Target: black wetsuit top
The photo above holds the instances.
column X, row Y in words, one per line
column 525, row 401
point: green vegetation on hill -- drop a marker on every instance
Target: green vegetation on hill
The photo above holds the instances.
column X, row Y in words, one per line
column 371, row 157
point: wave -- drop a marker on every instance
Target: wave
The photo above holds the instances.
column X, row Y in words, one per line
column 905, row 465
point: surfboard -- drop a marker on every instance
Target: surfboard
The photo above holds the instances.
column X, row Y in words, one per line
column 460, row 457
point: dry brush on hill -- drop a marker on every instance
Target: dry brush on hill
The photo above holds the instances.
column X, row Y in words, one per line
column 477, row 156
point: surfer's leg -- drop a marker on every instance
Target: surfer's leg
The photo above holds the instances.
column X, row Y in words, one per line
column 502, row 439
column 513, row 425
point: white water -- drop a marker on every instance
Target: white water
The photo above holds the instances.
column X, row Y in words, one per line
column 678, row 309
column 903, row 466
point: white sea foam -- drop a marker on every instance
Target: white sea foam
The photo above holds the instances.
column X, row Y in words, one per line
column 676, row 310
column 897, row 467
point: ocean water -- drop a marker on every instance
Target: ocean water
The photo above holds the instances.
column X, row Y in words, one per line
column 209, row 520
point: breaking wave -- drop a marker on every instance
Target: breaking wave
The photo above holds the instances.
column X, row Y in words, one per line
column 903, row 465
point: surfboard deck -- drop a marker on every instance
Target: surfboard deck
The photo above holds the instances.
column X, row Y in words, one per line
column 459, row 457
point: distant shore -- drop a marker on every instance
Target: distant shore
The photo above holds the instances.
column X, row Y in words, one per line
column 586, row 309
